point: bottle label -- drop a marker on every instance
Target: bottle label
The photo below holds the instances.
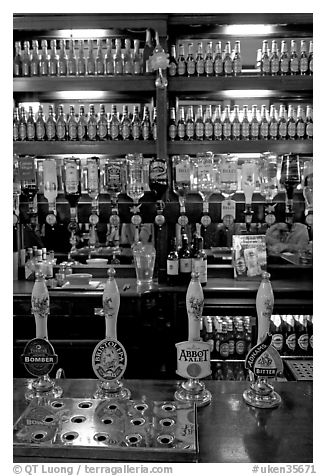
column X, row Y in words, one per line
column 231, row 346
column 91, row 131
column 290, row 341
column 182, row 172
column 208, row 130
column 61, row 130
column 181, row 130
column 227, row 129
column 72, row 131
column 135, row 131
column 71, row 181
column 109, row 67
column 173, row 131
column 228, row 208
column 125, row 132
column 92, row 176
column 113, row 176
column 282, row 130
column 224, row 349
column 181, row 68
column 291, row 129
column 209, row 66
column 309, row 129
column 294, row 65
column 245, row 129
column 102, row 130
column 185, row 265
column 303, row 65
column 34, row 69
column 114, row 130
column 50, row 130
column 273, row 129
column 158, row 171
column 145, row 131
column 172, row 267
column 172, row 69
column 275, row 65
column 254, row 129
column 303, row 342
column 277, row 341
column 284, row 65
column 199, row 130
column 190, row 68
column 218, row 130
column 228, row 66
column 264, row 130
column 300, row 129
column 265, row 65
column 240, row 347
column 236, row 129
column 199, row 265
column 229, row 173
column 200, row 67
column 128, row 67
column 81, row 131
column 218, row 66
column 30, row 131
column 40, row 131
column 16, row 132
column 154, row 131
column 237, row 66
column 190, row 130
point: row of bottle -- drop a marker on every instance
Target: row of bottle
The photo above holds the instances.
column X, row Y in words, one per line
column 206, row 63
column 41, row 259
column 91, row 126
column 275, row 62
column 229, row 337
column 292, row 334
column 100, row 59
column 185, row 259
column 229, row 371
column 278, row 124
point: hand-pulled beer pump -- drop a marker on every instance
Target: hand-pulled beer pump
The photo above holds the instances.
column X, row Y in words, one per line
column 109, row 358
column 193, row 355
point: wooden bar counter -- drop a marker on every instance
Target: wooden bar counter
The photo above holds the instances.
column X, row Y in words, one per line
column 229, row 430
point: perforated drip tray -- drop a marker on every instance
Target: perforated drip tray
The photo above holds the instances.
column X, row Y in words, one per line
column 106, row 429
column 301, row 369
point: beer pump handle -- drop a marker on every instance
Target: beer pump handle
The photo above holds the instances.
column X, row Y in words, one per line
column 195, row 305
column 111, row 304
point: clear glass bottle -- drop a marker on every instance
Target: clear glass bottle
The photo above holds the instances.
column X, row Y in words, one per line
column 309, row 122
column 208, row 124
column 90, row 60
column 72, row 182
column 93, row 178
column 71, row 60
column 265, row 65
column 61, row 124
column 127, row 58
column 53, row 59
column 200, row 63
column 17, row 63
column 181, row 62
column 117, row 58
column 31, row 132
column 146, row 125
column 50, row 125
column 26, row 60
column 92, row 124
column 245, row 124
column 236, row 125
column 228, row 174
column 282, row 123
column 291, row 123
column 102, row 124
column 254, row 124
column 137, row 61
column 40, row 124
column 108, row 59
column 237, row 60
column 99, row 60
column 294, row 58
column 16, row 124
column 274, row 59
column 273, row 123
column 181, row 174
column 190, row 124
column 217, row 124
column 44, row 60
column 226, row 124
column 208, row 60
column 114, row 124
column 125, row 127
column 82, row 124
column 173, row 66
column 264, row 124
column 227, row 60
column 303, row 60
column 135, row 124
column 190, row 61
column 199, row 124
column 22, row 124
column 71, row 125
column 81, row 61
column 35, row 59
column 300, row 124
column 218, row 59
column 284, row 59
column 62, row 59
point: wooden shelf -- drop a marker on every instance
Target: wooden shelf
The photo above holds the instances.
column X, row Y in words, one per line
column 84, row 147
column 221, row 147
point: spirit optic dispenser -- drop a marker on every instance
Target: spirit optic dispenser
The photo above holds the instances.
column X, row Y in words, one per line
column 135, row 187
column 290, row 179
column 50, row 189
column 93, row 189
column 72, row 187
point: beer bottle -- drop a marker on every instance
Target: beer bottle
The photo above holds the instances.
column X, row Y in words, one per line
column 72, row 60
column 310, row 57
column 44, row 60
column 147, row 53
column 265, row 65
column 181, row 62
column 302, row 334
column 136, row 62
column 208, row 61
column 303, row 60
column 40, row 124
column 173, row 66
column 22, row 124
column 172, row 265
column 16, row 125
column 30, row 125
column 90, row 60
column 209, row 335
column 50, row 125
column 17, row 60
column 282, row 123
column 190, row 61
column 236, row 132
column 227, row 61
column 81, row 61
column 199, row 124
column 240, row 345
column 202, row 329
column 248, row 333
column 245, row 124
column 158, row 177
column 300, row 124
column 102, row 124
column 35, row 60
column 219, row 371
column 224, row 341
column 226, row 124
column 200, row 66
column 108, row 59
column 237, row 61
column 99, row 60
column 61, row 124
column 277, row 329
column 190, row 125
column 135, row 124
column 290, row 344
column 274, row 60
column 284, row 59
column 184, row 260
column 146, row 125
column 53, row 59
column 172, row 125
column 309, row 123
column 208, row 124
column 153, row 131
column 62, row 59
column 114, row 124
column 294, row 59
column 264, row 124
column 217, row 330
column 217, row 124
column 92, row 124
column 291, row 124
column 72, row 125
column 273, row 123
column 26, row 60
column 125, row 125
column 82, row 124
column 117, row 58
column 218, row 59
column 231, row 337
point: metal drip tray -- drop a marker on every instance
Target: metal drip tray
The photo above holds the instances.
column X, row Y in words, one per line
column 300, row 369
column 106, row 429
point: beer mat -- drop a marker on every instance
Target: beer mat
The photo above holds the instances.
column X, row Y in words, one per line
column 90, row 286
column 133, row 430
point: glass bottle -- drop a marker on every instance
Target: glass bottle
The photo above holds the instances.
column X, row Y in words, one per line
column 208, row 124
column 81, row 61
column 93, row 178
column 172, row 132
column 154, row 125
column 17, row 64
column 249, row 179
column 135, row 186
column 181, row 62
column 16, row 125
column 114, row 124
column 200, row 64
column 30, row 131
column 294, row 59
column 199, row 261
column 71, row 60
column 147, row 53
column 102, row 124
column 302, row 335
column 236, row 125
column 35, row 60
column 226, row 124
column 291, row 123
column 218, row 59
column 228, row 175
column 290, row 177
column 284, row 59
column 50, row 182
column 137, row 62
column 282, row 123
column 181, row 125
column 265, row 65
column 199, row 124
column 224, row 341
column 90, row 60
column 108, row 59
column 62, row 59
column 50, row 125
column 99, row 60
column 127, row 58
column 173, row 66
column 231, row 337
column 208, row 61
column 146, row 125
column 274, row 60
column 276, row 329
column 254, row 124
column 72, row 125
column 273, row 123
column 310, row 57
column 44, row 60
column 300, row 123
column 61, row 124
column 22, row 124
column 40, row 124
column 184, row 260
column 26, row 60
column 125, row 124
column 190, row 61
column 117, row 58
column 135, row 124
column 227, row 61
column 268, row 176
column 82, row 124
column 72, row 183
column 217, row 124
column 53, row 59
column 290, row 344
column 92, row 124
column 172, row 265
column 264, row 124
column 190, row 124
column 237, row 60
column 303, row 60
column 181, row 174
column 309, row 123
column 158, row 177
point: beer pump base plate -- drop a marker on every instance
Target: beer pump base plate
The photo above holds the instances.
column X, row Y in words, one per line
column 200, row 398
column 109, row 393
column 34, row 392
column 261, row 400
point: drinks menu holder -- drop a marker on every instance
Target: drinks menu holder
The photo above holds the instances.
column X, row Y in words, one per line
column 249, row 256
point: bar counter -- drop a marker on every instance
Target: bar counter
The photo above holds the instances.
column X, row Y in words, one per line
column 229, row 430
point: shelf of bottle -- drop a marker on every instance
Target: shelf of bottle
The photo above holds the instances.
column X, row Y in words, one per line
column 242, row 82
column 288, row 357
column 84, row 83
column 242, row 146
column 84, row 147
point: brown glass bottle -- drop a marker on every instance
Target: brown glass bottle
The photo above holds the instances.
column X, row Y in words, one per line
column 172, row 265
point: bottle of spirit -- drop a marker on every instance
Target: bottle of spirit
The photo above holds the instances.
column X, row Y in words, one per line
column 218, row 59
column 172, row 125
column 26, row 60
column 173, row 66
column 50, row 125
column 226, row 124
column 127, row 58
column 82, row 124
column 274, row 60
column 72, row 186
column 237, row 60
column 282, row 123
column 72, row 60
column 17, row 69
column 264, row 124
column 81, row 61
column 31, row 132
column 294, row 59
column 147, row 53
column 158, row 177
column 265, row 65
column 291, row 124
column 181, row 63
column 44, row 60
column 71, row 125
column 217, row 124
column 146, row 125
column 181, row 174
column 114, row 124
column 136, row 62
column 16, row 124
column 62, row 59
column 108, row 60
column 135, row 124
column 102, row 125
column 199, row 124
column 284, row 59
column 35, row 60
column 92, row 124
column 172, row 265
column 184, row 261
column 90, row 60
column 190, row 124
column 254, row 124
column 236, row 125
column 309, row 123
column 190, row 61
column 227, row 61
column 303, row 60
column 208, row 61
column 40, row 124
column 93, row 179
column 53, row 59
column 200, row 64
column 208, row 124
column 99, row 60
